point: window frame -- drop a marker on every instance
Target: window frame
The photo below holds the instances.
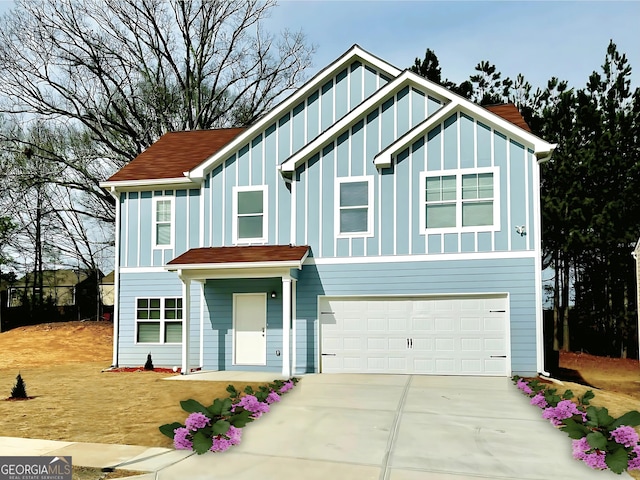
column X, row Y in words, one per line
column 458, row 174
column 162, row 321
column 156, row 200
column 265, row 215
column 338, row 208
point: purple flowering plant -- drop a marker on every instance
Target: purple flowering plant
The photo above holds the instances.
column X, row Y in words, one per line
column 599, row 440
column 219, row 426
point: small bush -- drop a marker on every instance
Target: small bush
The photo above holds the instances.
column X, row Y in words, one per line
column 149, row 364
column 19, row 390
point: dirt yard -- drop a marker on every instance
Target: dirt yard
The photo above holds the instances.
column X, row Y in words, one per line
column 61, row 366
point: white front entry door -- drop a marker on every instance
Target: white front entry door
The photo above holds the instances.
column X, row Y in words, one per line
column 250, row 329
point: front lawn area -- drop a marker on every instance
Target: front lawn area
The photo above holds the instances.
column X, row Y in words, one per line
column 61, row 365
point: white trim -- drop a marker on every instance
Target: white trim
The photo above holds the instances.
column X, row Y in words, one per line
column 286, row 326
column 116, row 280
column 186, row 325
column 237, row 265
column 537, row 222
column 127, row 201
column 139, row 222
column 353, row 54
column 162, row 320
column 508, row 199
column 345, row 122
column 459, row 173
column 425, row 296
column 201, row 213
column 337, row 208
column 151, row 184
column 294, row 327
column 265, row 214
column 235, row 296
column 420, row 258
column 154, row 222
column 407, row 77
column 142, row 269
column 202, row 305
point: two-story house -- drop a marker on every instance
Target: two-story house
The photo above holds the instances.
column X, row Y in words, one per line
column 373, row 221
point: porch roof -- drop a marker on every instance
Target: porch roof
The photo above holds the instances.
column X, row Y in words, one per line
column 251, row 256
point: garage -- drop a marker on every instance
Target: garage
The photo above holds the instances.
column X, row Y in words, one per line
column 466, row 335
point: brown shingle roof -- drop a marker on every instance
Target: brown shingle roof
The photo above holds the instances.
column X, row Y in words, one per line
column 510, row 113
column 243, row 254
column 175, row 153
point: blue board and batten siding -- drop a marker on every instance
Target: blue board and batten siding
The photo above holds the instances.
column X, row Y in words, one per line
column 302, row 211
column 459, row 143
column 433, row 278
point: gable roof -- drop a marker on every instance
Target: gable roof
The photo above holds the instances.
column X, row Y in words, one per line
column 355, row 53
column 510, row 112
column 175, row 153
column 408, row 78
column 240, row 257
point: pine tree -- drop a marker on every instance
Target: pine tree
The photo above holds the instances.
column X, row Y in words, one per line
column 19, row 390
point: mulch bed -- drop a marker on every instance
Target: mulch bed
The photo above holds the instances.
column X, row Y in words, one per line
column 141, row 369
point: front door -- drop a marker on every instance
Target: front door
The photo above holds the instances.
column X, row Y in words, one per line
column 250, row 327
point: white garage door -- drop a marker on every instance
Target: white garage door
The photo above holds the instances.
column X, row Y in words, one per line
column 443, row 336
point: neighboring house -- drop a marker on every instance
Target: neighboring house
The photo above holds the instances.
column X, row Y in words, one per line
column 371, row 222
column 58, row 285
column 107, row 289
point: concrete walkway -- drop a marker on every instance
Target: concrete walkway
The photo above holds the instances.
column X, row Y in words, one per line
column 378, row 427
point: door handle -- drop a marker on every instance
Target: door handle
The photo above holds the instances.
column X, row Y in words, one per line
column 411, row 342
column 263, row 331
column 498, row 356
column 407, row 343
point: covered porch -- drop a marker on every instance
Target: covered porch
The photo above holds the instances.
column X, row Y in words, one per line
column 248, row 297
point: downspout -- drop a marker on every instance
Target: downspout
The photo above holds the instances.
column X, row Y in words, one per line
column 116, row 282
column 540, row 363
column 634, row 254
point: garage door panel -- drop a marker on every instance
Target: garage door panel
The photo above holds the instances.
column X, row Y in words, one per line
column 452, row 336
column 422, row 324
column 471, row 345
column 444, row 324
column 396, row 324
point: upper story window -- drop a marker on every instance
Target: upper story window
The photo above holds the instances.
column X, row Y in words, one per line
column 163, row 221
column 159, row 320
column 354, row 206
column 250, row 214
column 463, row 200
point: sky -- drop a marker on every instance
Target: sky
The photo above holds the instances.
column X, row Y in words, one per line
column 539, row 39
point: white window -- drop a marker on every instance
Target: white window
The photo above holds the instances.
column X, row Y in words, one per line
column 465, row 200
column 159, row 320
column 250, row 214
column 163, row 222
column 354, row 207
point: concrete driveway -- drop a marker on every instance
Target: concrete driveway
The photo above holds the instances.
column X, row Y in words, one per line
column 391, row 427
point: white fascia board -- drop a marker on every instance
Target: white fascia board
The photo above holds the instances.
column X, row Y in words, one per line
column 290, row 164
column 383, row 159
column 235, row 265
column 353, row 54
column 540, row 146
column 122, row 185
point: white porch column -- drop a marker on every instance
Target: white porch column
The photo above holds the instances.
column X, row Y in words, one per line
column 294, row 329
column 186, row 324
column 286, row 324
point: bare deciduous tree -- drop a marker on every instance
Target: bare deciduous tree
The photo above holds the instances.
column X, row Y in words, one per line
column 114, row 76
